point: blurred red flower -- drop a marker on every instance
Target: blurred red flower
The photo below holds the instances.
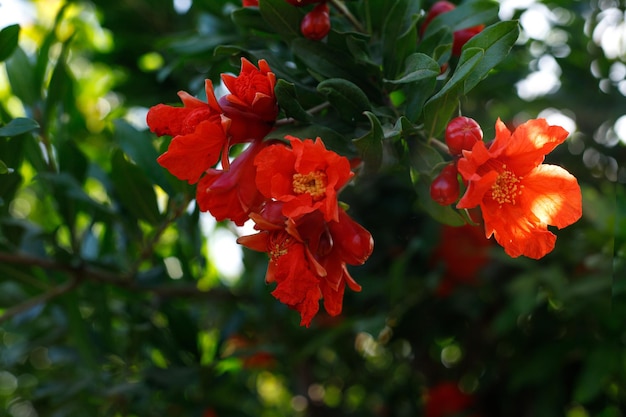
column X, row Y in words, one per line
column 248, row 3
column 308, row 257
column 464, row 251
column 306, row 177
column 446, row 400
column 518, row 195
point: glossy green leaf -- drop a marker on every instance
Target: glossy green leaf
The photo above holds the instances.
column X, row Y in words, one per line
column 9, row 37
column 496, row 41
column 347, row 98
column 18, row 126
column 133, row 189
column 370, row 145
column 286, row 96
column 250, row 18
column 440, row 107
column 424, row 158
column 417, row 67
column 399, row 30
column 467, row 14
column 21, row 73
column 282, row 17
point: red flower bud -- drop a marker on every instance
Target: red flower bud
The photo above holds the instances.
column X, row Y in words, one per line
column 462, row 36
column 462, row 133
column 316, row 23
column 445, row 187
column 436, row 9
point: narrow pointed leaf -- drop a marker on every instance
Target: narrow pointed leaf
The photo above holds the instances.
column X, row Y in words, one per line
column 9, row 37
column 18, row 126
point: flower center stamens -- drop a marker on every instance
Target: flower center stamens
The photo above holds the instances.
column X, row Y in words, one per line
column 313, row 183
column 278, row 245
column 506, row 188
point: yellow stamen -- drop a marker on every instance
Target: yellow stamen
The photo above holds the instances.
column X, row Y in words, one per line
column 313, row 183
column 278, row 246
column 506, row 188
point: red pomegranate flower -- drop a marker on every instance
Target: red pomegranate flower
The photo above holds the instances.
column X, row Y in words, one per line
column 518, row 195
column 308, row 257
column 251, row 103
column 463, row 251
column 232, row 193
column 198, row 130
column 306, row 177
column 446, row 400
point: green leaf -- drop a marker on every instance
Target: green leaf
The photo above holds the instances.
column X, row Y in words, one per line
column 139, row 147
column 9, row 37
column 425, row 158
column 133, row 189
column 417, row 67
column 321, row 59
column 496, row 41
column 73, row 161
column 288, row 101
column 438, row 45
column 4, row 169
column 332, row 139
column 370, row 145
column 21, row 73
column 598, row 368
column 399, row 30
column 249, row 17
column 60, row 87
column 468, row 14
column 440, row 107
column 346, row 97
column 18, row 126
column 282, row 17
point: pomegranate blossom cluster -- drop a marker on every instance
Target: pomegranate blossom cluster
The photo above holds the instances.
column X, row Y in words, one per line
column 289, row 189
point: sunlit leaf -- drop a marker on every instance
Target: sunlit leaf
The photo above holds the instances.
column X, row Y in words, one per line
column 9, row 37
column 496, row 41
column 21, row 73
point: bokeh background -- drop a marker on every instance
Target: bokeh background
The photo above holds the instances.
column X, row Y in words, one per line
column 118, row 298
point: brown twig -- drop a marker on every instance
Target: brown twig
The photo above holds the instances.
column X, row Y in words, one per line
column 81, row 273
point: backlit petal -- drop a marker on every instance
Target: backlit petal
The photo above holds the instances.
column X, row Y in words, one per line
column 553, row 195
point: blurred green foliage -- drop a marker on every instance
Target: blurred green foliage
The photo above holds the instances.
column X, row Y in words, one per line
column 111, row 299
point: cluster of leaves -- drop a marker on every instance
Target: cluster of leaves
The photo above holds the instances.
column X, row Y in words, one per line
column 111, row 306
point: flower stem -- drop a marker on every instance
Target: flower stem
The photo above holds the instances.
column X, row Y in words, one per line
column 346, row 12
column 439, row 145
